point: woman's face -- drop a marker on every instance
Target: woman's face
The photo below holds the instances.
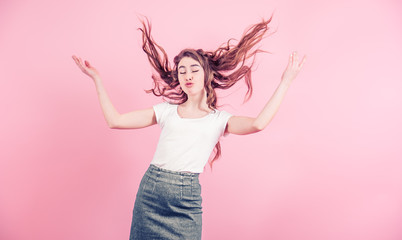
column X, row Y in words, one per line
column 191, row 76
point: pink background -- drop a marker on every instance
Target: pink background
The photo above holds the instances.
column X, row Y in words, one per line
column 329, row 165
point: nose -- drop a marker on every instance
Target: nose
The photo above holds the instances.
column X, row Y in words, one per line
column 189, row 76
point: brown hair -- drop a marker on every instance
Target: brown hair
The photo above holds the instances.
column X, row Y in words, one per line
column 222, row 67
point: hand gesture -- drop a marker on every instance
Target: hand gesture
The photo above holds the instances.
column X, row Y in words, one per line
column 86, row 68
column 293, row 68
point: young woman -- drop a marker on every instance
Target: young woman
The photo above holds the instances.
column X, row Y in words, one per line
column 168, row 201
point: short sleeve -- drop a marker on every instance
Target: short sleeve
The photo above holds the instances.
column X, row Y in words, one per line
column 159, row 109
column 223, row 119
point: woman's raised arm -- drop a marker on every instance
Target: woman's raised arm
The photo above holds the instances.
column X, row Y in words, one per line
column 246, row 125
column 131, row 120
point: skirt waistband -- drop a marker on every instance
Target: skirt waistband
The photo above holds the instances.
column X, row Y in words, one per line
column 170, row 176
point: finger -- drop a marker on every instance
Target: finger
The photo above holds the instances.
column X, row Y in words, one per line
column 76, row 60
column 82, row 63
column 302, row 61
column 290, row 60
column 295, row 58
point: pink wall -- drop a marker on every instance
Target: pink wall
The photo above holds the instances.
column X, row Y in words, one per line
column 329, row 166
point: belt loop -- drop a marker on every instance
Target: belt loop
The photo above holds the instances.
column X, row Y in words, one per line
column 181, row 187
column 192, row 176
column 157, row 178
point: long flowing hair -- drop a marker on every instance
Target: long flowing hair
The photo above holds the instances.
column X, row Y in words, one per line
column 223, row 67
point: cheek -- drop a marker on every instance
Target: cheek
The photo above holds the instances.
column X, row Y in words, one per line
column 203, row 80
column 201, row 77
column 180, row 78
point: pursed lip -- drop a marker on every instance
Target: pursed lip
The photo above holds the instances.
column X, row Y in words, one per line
column 189, row 84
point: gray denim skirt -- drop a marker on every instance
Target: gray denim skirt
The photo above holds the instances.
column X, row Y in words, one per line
column 167, row 206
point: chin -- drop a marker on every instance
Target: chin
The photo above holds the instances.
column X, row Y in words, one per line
column 195, row 92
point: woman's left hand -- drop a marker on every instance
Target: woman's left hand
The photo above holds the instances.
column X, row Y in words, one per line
column 293, row 68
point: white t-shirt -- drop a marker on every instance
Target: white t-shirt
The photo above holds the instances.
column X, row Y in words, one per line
column 185, row 144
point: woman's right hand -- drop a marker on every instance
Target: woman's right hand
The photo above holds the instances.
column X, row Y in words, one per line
column 86, row 68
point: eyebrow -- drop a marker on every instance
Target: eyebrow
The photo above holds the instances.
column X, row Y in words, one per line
column 194, row 65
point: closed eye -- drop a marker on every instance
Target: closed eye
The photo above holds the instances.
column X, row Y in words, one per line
column 191, row 71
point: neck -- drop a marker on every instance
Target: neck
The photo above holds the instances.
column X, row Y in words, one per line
column 197, row 101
